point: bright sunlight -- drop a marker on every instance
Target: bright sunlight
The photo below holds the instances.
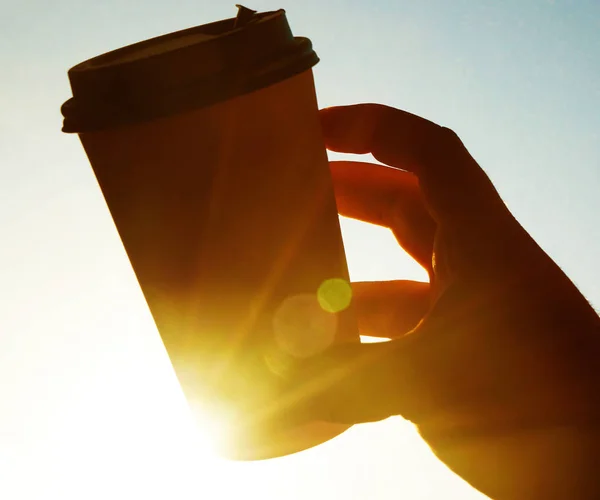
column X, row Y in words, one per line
column 90, row 408
column 150, row 427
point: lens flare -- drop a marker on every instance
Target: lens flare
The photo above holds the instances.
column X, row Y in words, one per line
column 278, row 362
column 302, row 328
column 334, row 295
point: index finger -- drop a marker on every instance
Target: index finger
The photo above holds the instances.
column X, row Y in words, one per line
column 454, row 185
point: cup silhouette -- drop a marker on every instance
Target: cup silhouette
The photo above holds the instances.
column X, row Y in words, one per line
column 207, row 146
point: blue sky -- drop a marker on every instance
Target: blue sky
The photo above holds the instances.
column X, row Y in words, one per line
column 87, row 393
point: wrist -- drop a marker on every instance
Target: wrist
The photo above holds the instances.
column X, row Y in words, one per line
column 526, row 463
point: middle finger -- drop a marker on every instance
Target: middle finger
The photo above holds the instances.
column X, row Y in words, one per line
column 387, row 197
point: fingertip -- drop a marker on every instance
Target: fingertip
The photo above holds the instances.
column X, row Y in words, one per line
column 327, row 114
column 329, row 110
column 328, row 117
column 346, row 130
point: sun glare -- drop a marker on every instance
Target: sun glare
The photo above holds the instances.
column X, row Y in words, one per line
column 334, row 295
column 159, row 433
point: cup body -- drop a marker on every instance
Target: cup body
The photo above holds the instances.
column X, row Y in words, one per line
column 228, row 216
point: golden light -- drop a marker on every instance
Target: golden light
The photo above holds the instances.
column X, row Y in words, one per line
column 130, row 433
column 334, row 295
column 302, row 327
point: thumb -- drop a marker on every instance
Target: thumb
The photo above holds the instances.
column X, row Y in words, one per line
column 355, row 383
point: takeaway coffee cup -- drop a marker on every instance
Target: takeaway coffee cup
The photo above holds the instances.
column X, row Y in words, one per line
column 207, row 147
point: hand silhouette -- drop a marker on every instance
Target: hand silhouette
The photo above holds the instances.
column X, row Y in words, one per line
column 497, row 359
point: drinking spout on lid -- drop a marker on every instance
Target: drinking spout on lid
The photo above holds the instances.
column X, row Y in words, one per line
column 244, row 16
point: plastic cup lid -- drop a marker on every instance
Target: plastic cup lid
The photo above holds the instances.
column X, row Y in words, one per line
column 184, row 70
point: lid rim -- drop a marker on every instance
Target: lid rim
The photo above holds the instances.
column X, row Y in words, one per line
column 82, row 117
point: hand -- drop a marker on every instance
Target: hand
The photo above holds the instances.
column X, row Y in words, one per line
column 497, row 359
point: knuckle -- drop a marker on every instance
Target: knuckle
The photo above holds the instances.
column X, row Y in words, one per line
column 447, row 144
column 442, row 145
column 448, row 137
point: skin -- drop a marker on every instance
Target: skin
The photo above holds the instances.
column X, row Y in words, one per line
column 497, row 359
